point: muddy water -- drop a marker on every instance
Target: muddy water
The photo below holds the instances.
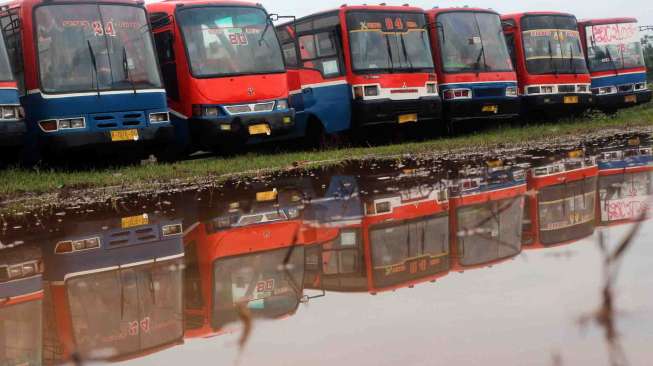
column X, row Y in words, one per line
column 511, row 260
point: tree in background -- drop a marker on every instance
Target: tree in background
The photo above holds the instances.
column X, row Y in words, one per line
column 647, row 43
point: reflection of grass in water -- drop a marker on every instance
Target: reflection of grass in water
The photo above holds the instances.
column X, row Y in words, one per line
column 18, row 181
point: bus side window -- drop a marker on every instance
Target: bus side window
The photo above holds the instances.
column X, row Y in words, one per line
column 13, row 39
column 290, row 55
column 319, row 51
column 510, row 41
column 165, row 51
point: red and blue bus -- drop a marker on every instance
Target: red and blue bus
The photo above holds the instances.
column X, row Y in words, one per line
column 113, row 287
column 359, row 66
column 561, row 205
column 21, row 301
column 616, row 62
column 224, row 72
column 12, row 126
column 625, row 188
column 548, row 56
column 475, row 73
column 87, row 75
column 486, row 210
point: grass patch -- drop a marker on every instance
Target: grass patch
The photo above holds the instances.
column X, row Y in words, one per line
column 16, row 182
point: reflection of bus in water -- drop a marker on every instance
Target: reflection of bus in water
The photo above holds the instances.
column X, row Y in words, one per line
column 402, row 240
column 561, row 203
column 113, row 288
column 625, row 188
column 12, row 126
column 616, row 61
column 87, row 74
column 476, row 75
column 21, row 294
column 486, row 210
column 549, row 60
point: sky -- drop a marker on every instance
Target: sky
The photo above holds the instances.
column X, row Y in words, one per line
column 641, row 9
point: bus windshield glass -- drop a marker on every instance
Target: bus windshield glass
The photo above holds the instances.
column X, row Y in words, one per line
column 260, row 282
column 389, row 42
column 128, row 310
column 409, row 250
column 552, row 45
column 472, row 42
column 90, row 47
column 490, row 231
column 567, row 211
column 5, row 69
column 20, row 333
column 614, row 47
column 223, row 41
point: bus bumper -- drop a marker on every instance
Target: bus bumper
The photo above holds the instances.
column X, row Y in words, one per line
column 385, row 111
column 621, row 100
column 209, row 132
column 489, row 108
column 151, row 136
column 12, row 133
column 562, row 101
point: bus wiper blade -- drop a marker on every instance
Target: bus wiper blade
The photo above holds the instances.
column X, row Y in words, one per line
column 403, row 47
column 389, row 49
column 572, row 64
column 614, row 65
column 94, row 63
column 125, row 68
column 477, row 64
column 555, row 67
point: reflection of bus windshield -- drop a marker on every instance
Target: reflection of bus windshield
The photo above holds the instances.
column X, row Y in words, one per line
column 489, row 231
column 382, row 41
column 20, row 334
column 229, row 41
column 567, row 211
column 614, row 47
column 260, row 282
column 473, row 41
column 624, row 196
column 552, row 45
column 89, row 47
column 409, row 250
column 127, row 310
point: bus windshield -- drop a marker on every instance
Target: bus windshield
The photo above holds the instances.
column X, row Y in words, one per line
column 20, row 334
column 129, row 310
column 614, row 47
column 472, row 42
column 6, row 73
column 552, row 45
column 567, row 211
column 389, row 42
column 259, row 282
column 223, row 41
column 409, row 250
column 90, row 47
column 490, row 231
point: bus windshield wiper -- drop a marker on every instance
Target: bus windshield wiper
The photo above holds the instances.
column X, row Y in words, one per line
column 389, row 49
column 477, row 64
column 555, row 67
column 94, row 63
column 403, row 47
column 614, row 65
column 572, row 64
column 125, row 68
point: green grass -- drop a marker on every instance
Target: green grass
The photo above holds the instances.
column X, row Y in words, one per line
column 18, row 182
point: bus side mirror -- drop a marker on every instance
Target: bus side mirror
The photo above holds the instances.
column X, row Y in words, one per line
column 508, row 26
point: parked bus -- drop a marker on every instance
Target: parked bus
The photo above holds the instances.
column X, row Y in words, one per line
column 475, row 73
column 87, row 75
column 486, row 211
column 223, row 71
column 359, row 66
column 548, row 56
column 21, row 301
column 561, row 204
column 113, row 287
column 12, row 126
column 625, row 188
column 616, row 62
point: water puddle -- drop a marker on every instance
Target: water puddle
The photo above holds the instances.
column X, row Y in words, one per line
column 536, row 257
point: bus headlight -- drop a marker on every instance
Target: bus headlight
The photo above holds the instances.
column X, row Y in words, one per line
column 450, row 94
column 206, row 111
column 159, row 117
column 358, row 92
column 606, row 90
column 511, row 91
column 431, row 88
column 582, row 88
column 371, row 91
column 10, row 112
column 547, row 89
column 69, row 123
column 641, row 86
column 282, row 104
column 533, row 90
column 71, row 246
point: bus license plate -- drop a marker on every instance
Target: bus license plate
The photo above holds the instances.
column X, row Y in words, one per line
column 266, row 196
column 260, row 129
column 491, row 108
column 631, row 99
column 133, row 221
column 124, row 135
column 407, row 118
column 571, row 99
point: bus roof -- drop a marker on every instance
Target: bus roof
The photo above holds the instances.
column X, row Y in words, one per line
column 436, row 11
column 521, row 15
column 175, row 3
column 32, row 3
column 347, row 8
column 586, row 22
